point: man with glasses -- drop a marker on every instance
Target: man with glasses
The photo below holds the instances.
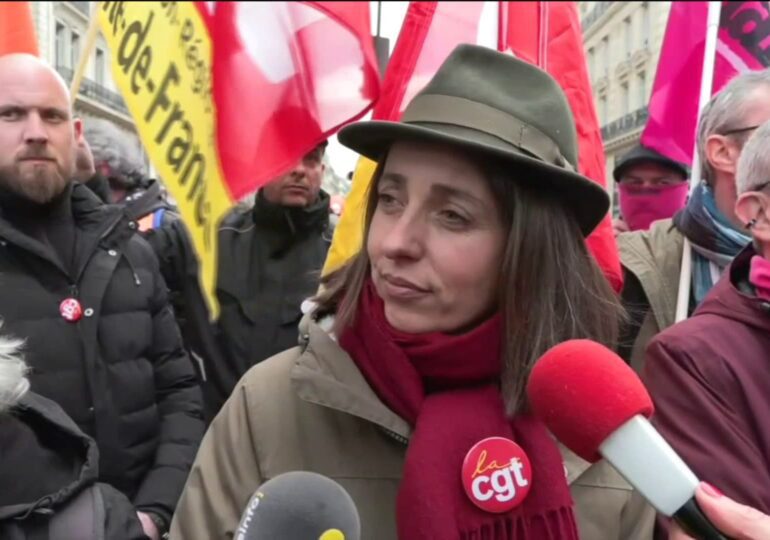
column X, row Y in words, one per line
column 652, row 259
column 709, row 375
column 651, row 187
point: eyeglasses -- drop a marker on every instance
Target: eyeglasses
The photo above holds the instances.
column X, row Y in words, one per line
column 740, row 130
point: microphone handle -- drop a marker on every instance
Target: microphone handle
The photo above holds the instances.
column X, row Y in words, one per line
column 695, row 523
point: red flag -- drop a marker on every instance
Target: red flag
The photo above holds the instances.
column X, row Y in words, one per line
column 17, row 33
column 550, row 34
column 431, row 30
column 741, row 41
column 286, row 75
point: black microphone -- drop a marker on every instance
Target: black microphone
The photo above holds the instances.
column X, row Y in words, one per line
column 300, row 505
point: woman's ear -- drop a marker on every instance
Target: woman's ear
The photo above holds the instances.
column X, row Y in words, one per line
column 722, row 153
column 753, row 209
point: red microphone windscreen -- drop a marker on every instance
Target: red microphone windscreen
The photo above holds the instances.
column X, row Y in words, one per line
column 583, row 392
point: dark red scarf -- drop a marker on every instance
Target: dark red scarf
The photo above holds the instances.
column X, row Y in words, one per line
column 446, row 387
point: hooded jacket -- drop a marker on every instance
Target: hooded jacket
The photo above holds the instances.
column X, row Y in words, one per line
column 310, row 408
column 48, row 473
column 269, row 260
column 119, row 369
column 140, row 202
column 709, row 377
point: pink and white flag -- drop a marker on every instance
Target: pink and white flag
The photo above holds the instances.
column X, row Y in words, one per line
column 743, row 44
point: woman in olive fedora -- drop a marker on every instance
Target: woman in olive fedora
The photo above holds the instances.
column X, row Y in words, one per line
column 408, row 384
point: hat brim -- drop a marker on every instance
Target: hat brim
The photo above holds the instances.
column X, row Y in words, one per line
column 588, row 201
column 663, row 161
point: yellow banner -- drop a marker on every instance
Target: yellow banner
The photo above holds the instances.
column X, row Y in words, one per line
column 348, row 235
column 161, row 61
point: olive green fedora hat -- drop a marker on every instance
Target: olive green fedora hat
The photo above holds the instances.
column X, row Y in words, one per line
column 495, row 105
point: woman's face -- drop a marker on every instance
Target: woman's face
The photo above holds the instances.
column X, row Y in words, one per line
column 436, row 240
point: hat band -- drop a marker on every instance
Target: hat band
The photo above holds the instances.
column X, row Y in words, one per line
column 452, row 110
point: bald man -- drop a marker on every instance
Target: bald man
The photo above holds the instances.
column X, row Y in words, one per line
column 85, row 293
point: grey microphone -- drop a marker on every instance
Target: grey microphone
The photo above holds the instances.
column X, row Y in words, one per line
column 300, row 505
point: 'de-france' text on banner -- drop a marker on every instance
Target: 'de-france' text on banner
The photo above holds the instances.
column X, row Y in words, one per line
column 161, row 61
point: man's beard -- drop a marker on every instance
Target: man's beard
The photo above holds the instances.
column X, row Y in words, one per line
column 39, row 184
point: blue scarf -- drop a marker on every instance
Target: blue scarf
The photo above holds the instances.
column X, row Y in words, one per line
column 715, row 241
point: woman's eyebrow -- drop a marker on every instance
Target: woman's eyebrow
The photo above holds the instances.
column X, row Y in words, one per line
column 448, row 191
column 393, row 177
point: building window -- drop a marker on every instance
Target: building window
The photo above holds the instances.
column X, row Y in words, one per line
column 61, row 44
column 629, row 36
column 642, row 87
column 74, row 50
column 591, row 61
column 606, row 55
column 645, row 23
column 99, row 67
column 625, row 98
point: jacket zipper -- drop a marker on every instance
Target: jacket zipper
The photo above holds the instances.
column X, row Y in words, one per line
column 137, row 281
column 403, row 440
column 104, row 235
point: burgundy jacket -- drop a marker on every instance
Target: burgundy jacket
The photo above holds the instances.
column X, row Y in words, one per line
column 709, row 378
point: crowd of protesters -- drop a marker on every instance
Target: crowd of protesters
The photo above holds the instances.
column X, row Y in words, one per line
column 125, row 409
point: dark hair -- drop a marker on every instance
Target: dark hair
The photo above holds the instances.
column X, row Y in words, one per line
column 550, row 287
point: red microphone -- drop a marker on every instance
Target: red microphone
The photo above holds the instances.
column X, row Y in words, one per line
column 597, row 406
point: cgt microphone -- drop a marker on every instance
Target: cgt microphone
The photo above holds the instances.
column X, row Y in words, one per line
column 597, row 406
column 300, row 505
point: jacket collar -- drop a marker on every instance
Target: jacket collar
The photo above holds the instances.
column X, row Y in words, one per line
column 93, row 218
column 325, row 375
column 735, row 298
column 293, row 218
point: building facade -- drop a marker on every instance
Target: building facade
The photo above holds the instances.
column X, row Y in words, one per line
column 622, row 41
column 61, row 32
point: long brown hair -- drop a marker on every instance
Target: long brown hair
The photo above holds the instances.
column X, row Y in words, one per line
column 550, row 287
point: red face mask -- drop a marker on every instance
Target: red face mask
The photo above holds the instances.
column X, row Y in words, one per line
column 640, row 207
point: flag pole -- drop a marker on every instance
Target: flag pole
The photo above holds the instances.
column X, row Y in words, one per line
column 706, row 84
column 85, row 53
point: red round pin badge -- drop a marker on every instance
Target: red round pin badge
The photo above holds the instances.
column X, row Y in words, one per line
column 71, row 310
column 497, row 475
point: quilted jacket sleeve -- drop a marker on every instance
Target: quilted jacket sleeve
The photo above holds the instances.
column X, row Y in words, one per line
column 179, row 403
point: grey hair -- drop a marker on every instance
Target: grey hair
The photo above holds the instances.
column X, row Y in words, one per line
column 754, row 163
column 13, row 373
column 726, row 110
column 109, row 144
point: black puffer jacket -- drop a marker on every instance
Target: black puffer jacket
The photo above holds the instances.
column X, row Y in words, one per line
column 270, row 260
column 48, row 474
column 120, row 372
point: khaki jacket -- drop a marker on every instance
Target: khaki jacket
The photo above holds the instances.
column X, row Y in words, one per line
column 310, row 408
column 654, row 257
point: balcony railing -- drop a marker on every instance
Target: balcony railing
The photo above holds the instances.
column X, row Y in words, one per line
column 600, row 8
column 96, row 91
column 82, row 7
column 625, row 124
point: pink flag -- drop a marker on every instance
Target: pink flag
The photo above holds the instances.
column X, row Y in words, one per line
column 742, row 45
column 431, row 31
